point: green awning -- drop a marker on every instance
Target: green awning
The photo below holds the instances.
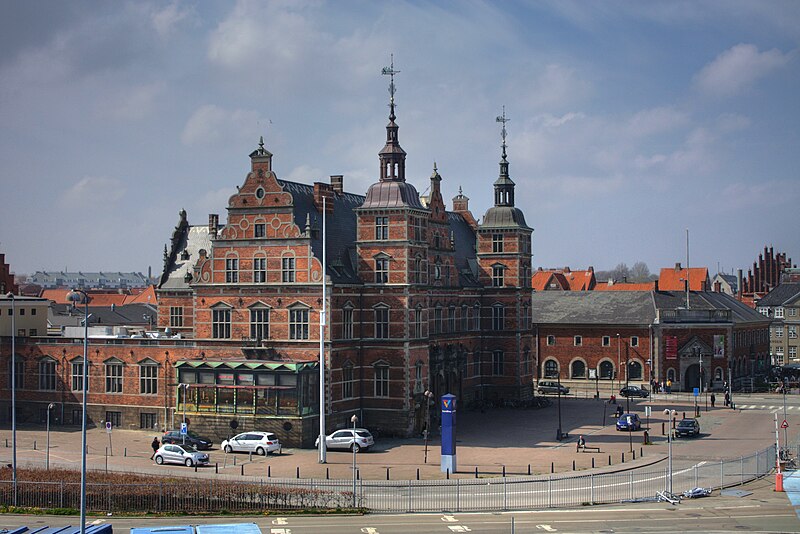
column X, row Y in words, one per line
column 255, row 366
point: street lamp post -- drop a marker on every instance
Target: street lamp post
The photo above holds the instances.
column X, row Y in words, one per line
column 185, row 388
column 47, row 456
column 13, row 394
column 619, row 364
column 671, row 414
column 428, row 396
column 558, row 432
column 628, row 396
column 78, row 295
column 354, row 420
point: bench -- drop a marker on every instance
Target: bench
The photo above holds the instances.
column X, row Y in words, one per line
column 586, row 447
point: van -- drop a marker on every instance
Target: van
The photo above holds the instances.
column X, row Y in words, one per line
column 551, row 386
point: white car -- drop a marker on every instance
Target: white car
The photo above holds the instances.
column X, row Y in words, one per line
column 261, row 443
column 175, row 453
column 343, row 439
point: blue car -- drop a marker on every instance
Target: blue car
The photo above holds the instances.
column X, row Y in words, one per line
column 629, row 421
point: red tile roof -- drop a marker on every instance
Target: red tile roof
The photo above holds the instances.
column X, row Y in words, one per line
column 626, row 286
column 670, row 279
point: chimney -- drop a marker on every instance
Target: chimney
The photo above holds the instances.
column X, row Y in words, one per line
column 678, row 266
column 590, row 269
column 717, row 287
column 213, row 223
column 337, row 183
column 566, row 269
column 461, row 206
column 323, row 190
column 655, row 285
column 739, row 282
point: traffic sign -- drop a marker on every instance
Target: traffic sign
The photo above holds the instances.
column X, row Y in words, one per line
column 696, row 392
column 785, row 424
column 647, row 410
column 108, row 427
column 183, row 428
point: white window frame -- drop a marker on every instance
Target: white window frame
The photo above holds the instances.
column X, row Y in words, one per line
column 47, row 374
column 114, row 376
column 231, row 270
column 381, row 381
column 288, row 269
column 148, row 378
column 298, row 323
column 259, row 269
column 221, row 323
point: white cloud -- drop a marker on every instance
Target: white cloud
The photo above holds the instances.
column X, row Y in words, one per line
column 211, row 124
column 553, row 86
column 554, row 122
column 132, row 103
column 92, row 192
column 755, row 195
column 164, row 20
column 737, row 68
column 655, row 121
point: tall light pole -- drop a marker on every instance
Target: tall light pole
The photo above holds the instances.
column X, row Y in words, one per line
column 671, row 414
column 185, row 388
column 78, row 295
column 13, row 394
column 322, row 445
column 47, row 457
column 354, row 419
column 619, row 364
column 428, row 396
column 628, row 396
column 558, row 433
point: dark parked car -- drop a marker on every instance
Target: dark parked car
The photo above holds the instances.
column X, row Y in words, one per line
column 687, row 427
column 634, row 391
column 175, row 436
column 629, row 421
column 551, row 386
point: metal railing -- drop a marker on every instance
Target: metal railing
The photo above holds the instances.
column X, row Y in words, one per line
column 456, row 495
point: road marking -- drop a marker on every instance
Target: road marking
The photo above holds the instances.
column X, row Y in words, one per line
column 369, row 530
column 449, row 518
column 459, row 528
column 280, row 531
column 280, row 521
column 546, row 528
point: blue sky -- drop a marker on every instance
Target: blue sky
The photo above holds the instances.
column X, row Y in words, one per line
column 630, row 121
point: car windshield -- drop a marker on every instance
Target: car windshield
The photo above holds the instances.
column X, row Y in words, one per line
column 686, row 422
column 187, row 448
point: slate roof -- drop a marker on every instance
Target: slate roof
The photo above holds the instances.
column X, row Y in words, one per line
column 132, row 314
column 592, row 307
column 88, row 279
column 780, row 295
column 193, row 239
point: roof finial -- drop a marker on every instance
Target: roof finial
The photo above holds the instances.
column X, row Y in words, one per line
column 459, row 191
column 434, row 167
column 391, row 72
column 261, row 142
column 502, row 118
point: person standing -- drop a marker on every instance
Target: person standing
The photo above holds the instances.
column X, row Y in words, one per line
column 713, row 400
column 155, row 445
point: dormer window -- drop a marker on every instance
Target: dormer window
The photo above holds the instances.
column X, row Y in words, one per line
column 381, row 270
column 497, row 243
column 498, row 275
column 381, row 228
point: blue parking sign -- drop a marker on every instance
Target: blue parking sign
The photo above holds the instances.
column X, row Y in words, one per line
column 183, row 428
column 696, row 392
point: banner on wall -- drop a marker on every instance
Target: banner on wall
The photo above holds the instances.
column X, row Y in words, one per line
column 719, row 346
column 671, row 347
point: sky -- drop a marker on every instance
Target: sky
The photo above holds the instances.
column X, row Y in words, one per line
column 630, row 122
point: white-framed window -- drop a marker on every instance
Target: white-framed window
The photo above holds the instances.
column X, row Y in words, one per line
column 792, row 353
column 347, row 322
column 791, row 330
column 221, row 323
column 417, row 322
column 779, row 332
column 551, row 369
column 634, row 341
column 148, row 378
column 298, row 323
column 418, row 226
column 381, row 322
column 259, row 270
column 498, row 361
column 779, row 312
column 451, row 319
column 114, row 376
column 76, row 374
column 763, row 310
column 176, row 316
column 259, row 230
column 577, row 341
column 47, row 374
column 476, row 317
column 464, row 318
column 497, row 242
column 498, row 317
column 381, row 380
column 381, row 228
column 287, row 269
column 231, row 270
column 551, row 340
column 259, row 322
column 792, row 312
column 347, row 380
column 498, row 276
column 606, row 342
column 381, row 270
column 437, row 319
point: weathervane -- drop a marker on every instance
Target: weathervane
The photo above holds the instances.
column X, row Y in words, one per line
column 502, row 118
column 389, row 71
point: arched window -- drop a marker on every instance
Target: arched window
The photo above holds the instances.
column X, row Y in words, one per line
column 634, row 370
column 606, row 370
column 551, row 369
column 718, row 374
column 671, row 374
column 578, row 369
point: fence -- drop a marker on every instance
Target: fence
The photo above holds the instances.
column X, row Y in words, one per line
column 457, row 495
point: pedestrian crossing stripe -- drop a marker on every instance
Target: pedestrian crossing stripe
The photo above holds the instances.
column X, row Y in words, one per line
column 764, row 407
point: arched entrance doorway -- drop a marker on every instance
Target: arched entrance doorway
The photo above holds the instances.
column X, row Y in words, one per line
column 691, row 377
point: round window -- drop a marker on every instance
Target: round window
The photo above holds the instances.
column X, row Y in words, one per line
column 287, row 426
column 260, row 192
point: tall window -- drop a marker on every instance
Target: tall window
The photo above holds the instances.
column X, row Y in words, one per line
column 606, row 370
column 417, row 322
column 634, row 341
column 382, row 380
column 437, row 319
column 551, row 369
column 381, row 322
column 259, row 323
column 525, row 316
column 259, row 270
column 498, row 317
column 578, row 341
column 606, row 341
column 476, row 317
column 418, row 271
column 551, row 340
column 114, row 376
column 176, row 316
column 779, row 332
column 498, row 276
column 792, row 353
column 451, row 319
column 19, row 375
column 779, row 312
column 287, row 269
column 418, row 377
column 418, row 224
column 221, row 323
column 497, row 362
column 347, row 380
column 260, row 229
column 381, row 228
column 578, row 369
column 381, row 270
column 47, row 374
column 298, row 323
column 464, row 318
column 497, row 242
column 76, row 370
column 148, row 378
column 231, row 270
column 347, row 323
column 634, row 370
column 791, row 330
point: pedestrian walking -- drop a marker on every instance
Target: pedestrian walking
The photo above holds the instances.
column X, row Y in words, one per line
column 727, row 398
column 155, row 445
column 713, row 400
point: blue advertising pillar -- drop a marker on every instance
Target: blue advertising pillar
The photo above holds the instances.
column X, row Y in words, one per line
column 448, row 403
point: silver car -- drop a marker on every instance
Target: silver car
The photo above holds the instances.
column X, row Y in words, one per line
column 261, row 443
column 180, row 454
column 343, row 439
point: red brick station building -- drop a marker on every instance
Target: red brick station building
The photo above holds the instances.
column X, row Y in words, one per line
column 418, row 299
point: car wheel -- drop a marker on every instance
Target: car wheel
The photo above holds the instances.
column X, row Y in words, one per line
column 355, row 447
column 189, row 462
column 228, row 448
column 261, row 452
column 159, row 460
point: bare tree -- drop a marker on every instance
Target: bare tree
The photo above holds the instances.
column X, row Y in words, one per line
column 640, row 272
column 621, row 273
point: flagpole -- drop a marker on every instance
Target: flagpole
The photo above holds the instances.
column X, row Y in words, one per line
column 322, row 444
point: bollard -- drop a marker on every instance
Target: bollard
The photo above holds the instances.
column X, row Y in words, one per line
column 448, row 474
column 684, row 415
column 529, row 469
column 298, row 471
column 634, row 455
column 573, row 465
column 195, row 468
column 125, row 452
column 234, row 460
column 662, row 428
column 476, row 471
column 592, row 462
column 504, row 471
column 641, row 451
column 269, row 471
column 552, row 467
column 6, row 443
column 34, row 444
column 216, row 468
column 387, row 473
column 358, row 474
column 327, row 473
column 242, row 469
column 417, row 473
column 609, row 459
column 250, row 456
column 623, row 457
